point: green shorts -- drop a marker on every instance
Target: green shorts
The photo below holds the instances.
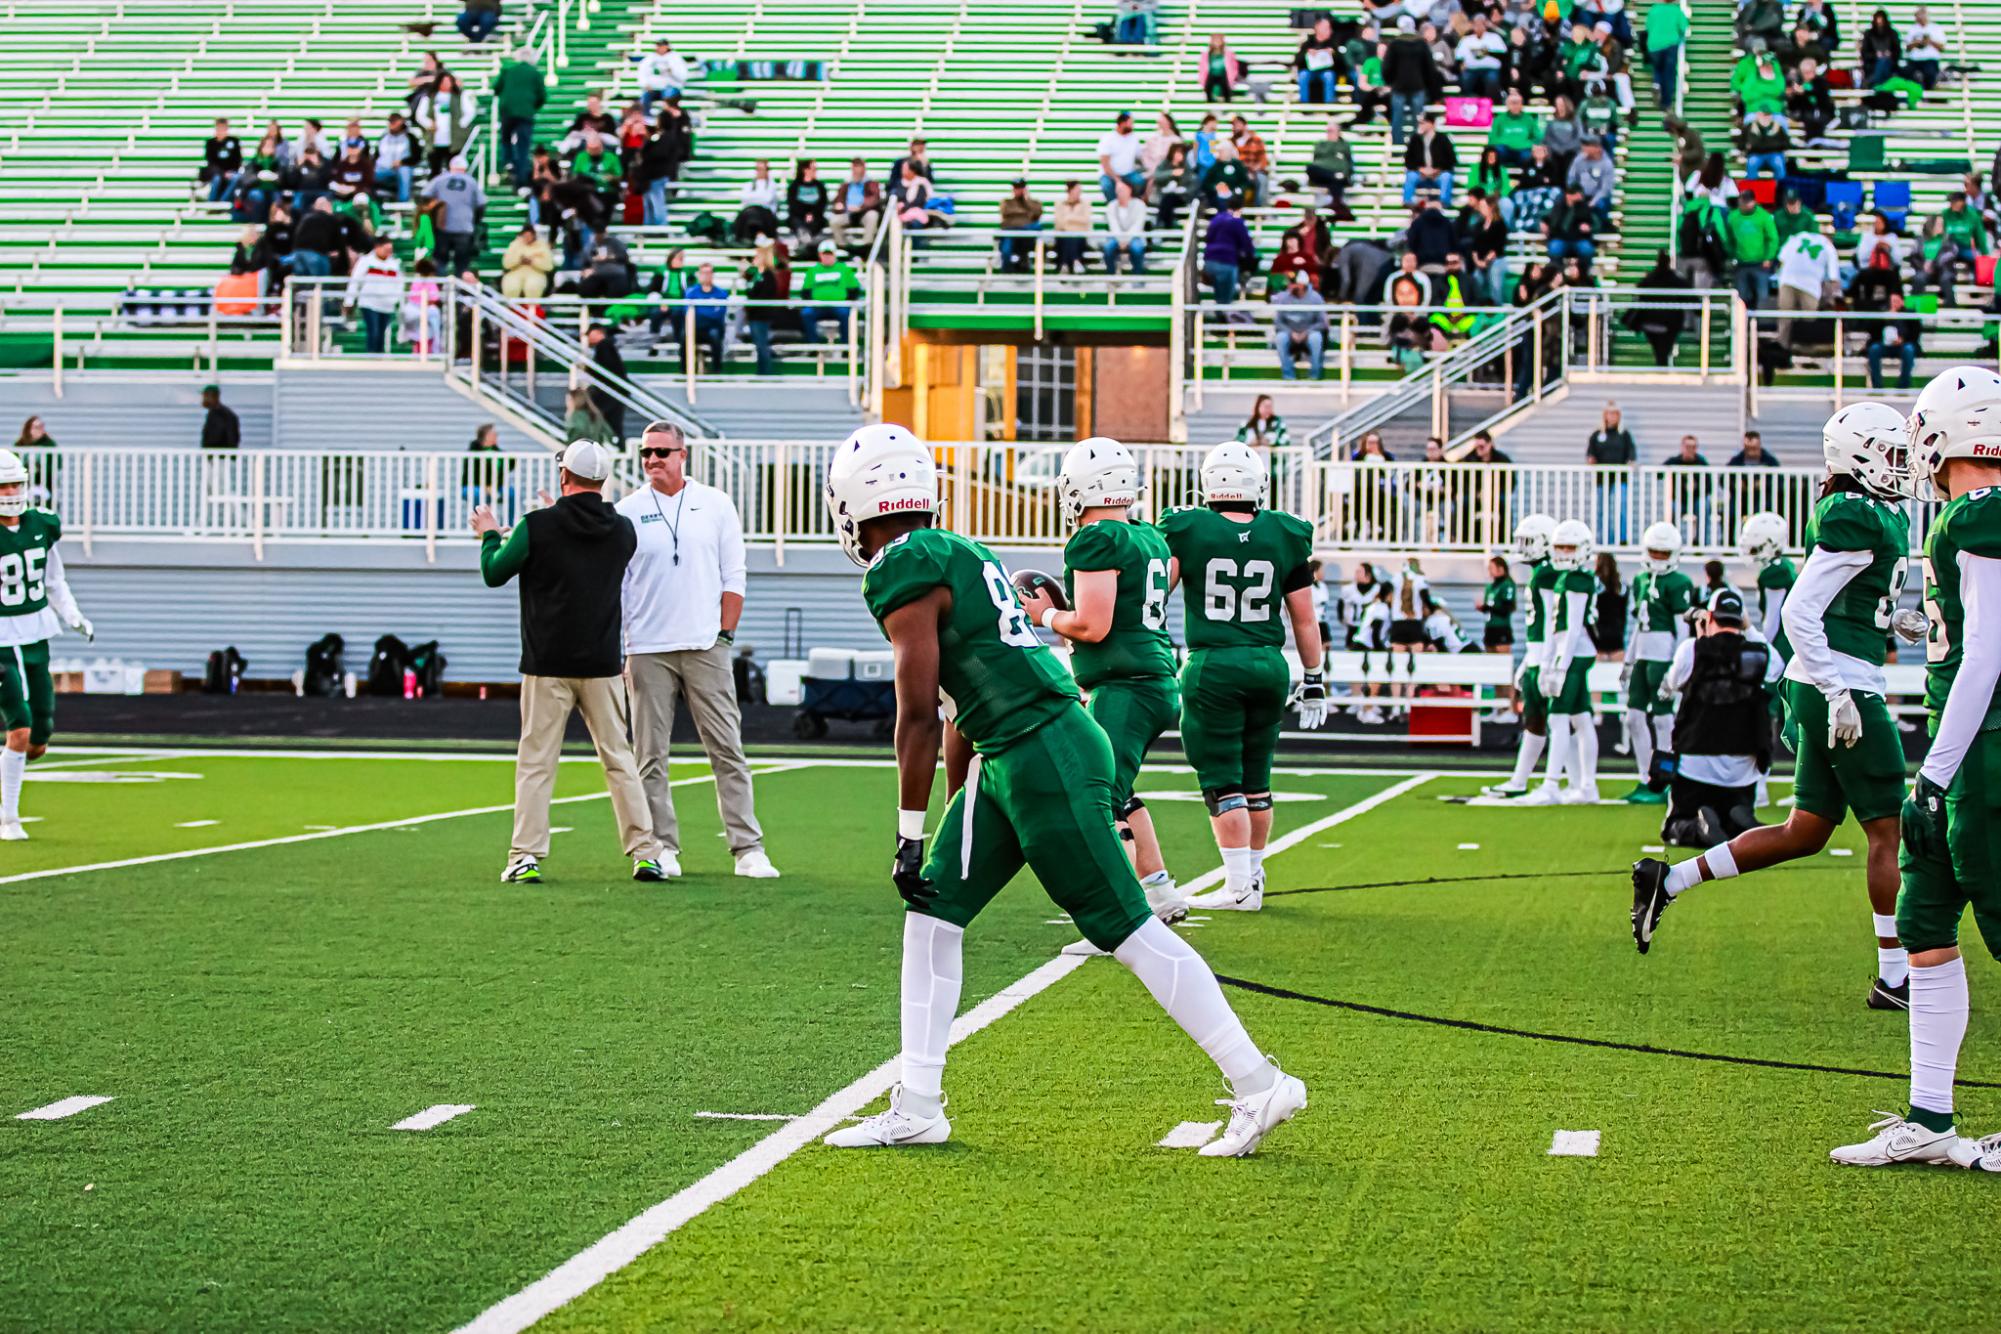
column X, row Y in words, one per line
column 1134, row 713
column 1867, row 777
column 1643, row 689
column 1937, row 892
column 1044, row 802
column 1574, row 695
column 27, row 693
column 1232, row 703
column 1535, row 709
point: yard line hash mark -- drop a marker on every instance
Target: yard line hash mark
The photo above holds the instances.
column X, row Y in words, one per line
column 1574, row 1144
column 433, row 1116
column 1190, row 1135
column 56, row 1111
column 195, row 824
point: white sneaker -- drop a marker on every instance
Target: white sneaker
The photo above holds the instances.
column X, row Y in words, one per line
column 1169, row 904
column 670, row 864
column 1226, row 899
column 11, row 832
column 1899, row 1141
column 1083, row 949
column 1370, row 717
column 754, row 865
column 1549, row 794
column 1581, row 796
column 893, row 1128
column 1254, row 1117
column 1989, row 1149
column 521, row 870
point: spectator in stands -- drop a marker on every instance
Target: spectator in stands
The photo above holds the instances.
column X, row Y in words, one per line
column 1118, row 156
column 219, row 427
column 1202, row 148
column 1755, row 82
column 1406, row 270
column 1793, row 219
column 1174, row 186
column 263, row 176
column 917, row 159
column 423, row 309
column 357, row 239
column 518, row 91
column 757, row 204
column 1964, row 225
column 1299, row 324
column 608, row 274
column 1880, row 49
column 526, row 266
column 1410, row 330
column 1879, row 258
column 1713, row 184
column 1666, row 31
column 661, row 75
column 1595, row 177
column 1227, row 176
column 1313, row 239
column 1370, row 92
column 1317, row 63
column 1752, row 240
column 1019, row 212
column 1263, row 429
column 1563, row 135
column 315, row 238
column 1488, row 251
column 1538, row 189
column 1611, row 454
column 1428, row 162
column 1227, row 250
column 447, row 118
column 710, row 303
column 1514, row 132
column 310, row 179
column 393, row 156
column 857, row 207
column 761, row 286
column 669, row 291
column 1598, row 115
column 1333, row 168
column 1251, row 152
column 911, row 195
column 1412, row 77
column 1753, row 454
column 314, row 136
column 827, row 285
column 659, row 160
column 1568, row 228
column 806, row 203
column 1897, row 337
column 464, row 201
column 1072, row 227
column 1765, row 144
column 1430, row 238
column 1660, row 320
column 1166, row 134
column 375, row 288
column 1221, row 70
column 1527, row 64
column 602, row 340
column 478, row 19
column 222, row 161
column 1810, row 98
column 351, row 176
column 593, row 119
column 425, row 81
column 1125, row 225
column 583, row 421
column 1579, row 59
column 1480, row 55
column 1935, row 261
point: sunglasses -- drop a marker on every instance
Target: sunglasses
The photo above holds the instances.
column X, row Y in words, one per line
column 658, row 452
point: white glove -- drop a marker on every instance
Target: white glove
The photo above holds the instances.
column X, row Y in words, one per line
column 1844, row 720
column 1558, row 669
column 81, row 624
column 1312, row 701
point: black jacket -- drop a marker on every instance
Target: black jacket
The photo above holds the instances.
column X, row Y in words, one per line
column 220, row 429
column 1723, row 707
column 571, row 588
column 1440, row 155
column 1409, row 68
column 221, row 157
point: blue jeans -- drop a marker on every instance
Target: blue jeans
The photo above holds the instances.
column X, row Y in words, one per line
column 1136, row 179
column 1513, row 157
column 1135, row 248
column 647, row 99
column 1612, row 510
column 1880, row 69
column 1222, row 277
column 1289, row 348
column 375, row 329
column 810, row 317
column 656, row 203
column 709, row 334
column 1765, row 164
column 1316, row 85
column 1412, row 182
column 1008, row 245
column 760, row 338
column 220, row 184
column 1405, row 108
column 1666, row 65
column 477, row 26
column 1481, row 83
column 1581, row 248
column 1906, row 357
column 517, row 138
column 1752, row 283
column 398, row 178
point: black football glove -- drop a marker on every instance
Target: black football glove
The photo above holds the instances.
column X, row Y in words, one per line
column 907, row 873
column 1924, row 820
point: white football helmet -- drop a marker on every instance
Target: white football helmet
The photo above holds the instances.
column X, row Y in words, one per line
column 1661, row 537
column 1762, row 539
column 1958, row 416
column 1532, row 538
column 1570, row 545
column 13, row 471
column 880, row 469
column 1234, row 472
column 1867, row 441
column 1097, row 472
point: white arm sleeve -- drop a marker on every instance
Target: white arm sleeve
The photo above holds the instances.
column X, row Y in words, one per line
column 1804, row 612
column 1979, row 668
column 1549, row 603
column 1578, row 645
column 1680, row 669
column 1774, row 614
column 57, row 584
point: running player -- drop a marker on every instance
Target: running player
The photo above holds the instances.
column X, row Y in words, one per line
column 1568, row 604
column 35, row 603
column 1532, row 550
column 1661, row 598
column 1244, row 566
column 1850, row 756
column 1038, row 791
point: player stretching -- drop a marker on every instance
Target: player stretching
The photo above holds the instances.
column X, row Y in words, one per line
column 1952, row 837
column 1240, row 562
column 1532, row 550
column 35, row 602
column 1038, row 790
column 1850, row 756
column 1661, row 598
column 1115, row 580
column 1569, row 601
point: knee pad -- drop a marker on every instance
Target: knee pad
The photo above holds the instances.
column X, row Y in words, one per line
column 1223, row 800
column 1261, row 802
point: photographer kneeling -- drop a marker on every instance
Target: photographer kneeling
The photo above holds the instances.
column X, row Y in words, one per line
column 1722, row 732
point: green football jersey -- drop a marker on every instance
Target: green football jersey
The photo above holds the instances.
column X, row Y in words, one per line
column 1970, row 524
column 24, row 562
column 1661, row 600
column 1575, row 581
column 1542, row 579
column 1235, row 575
column 1499, row 599
column 1858, row 620
column 1778, row 577
column 1137, row 645
column 999, row 681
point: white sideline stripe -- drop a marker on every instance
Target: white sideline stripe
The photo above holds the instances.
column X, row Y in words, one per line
column 56, row 1111
column 1469, row 847
column 433, row 1116
column 194, row 824
column 1574, row 1144
column 1190, row 1135
column 747, row 1116
column 314, row 835
column 614, row 1251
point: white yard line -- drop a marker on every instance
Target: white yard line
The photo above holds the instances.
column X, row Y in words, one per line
column 313, row 836
column 1574, row 1144
column 747, row 1116
column 613, row 1252
column 195, row 824
column 1190, row 1135
column 56, row 1111
column 433, row 1116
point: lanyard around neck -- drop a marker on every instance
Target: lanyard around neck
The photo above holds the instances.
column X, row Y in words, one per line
column 674, row 524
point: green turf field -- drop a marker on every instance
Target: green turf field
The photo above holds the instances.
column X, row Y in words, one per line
column 261, row 1016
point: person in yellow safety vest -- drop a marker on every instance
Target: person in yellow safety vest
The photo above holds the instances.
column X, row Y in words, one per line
column 1449, row 291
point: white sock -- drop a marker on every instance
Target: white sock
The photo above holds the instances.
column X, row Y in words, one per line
column 1764, row 797
column 1187, row 990
column 1938, row 1025
column 13, row 763
column 1584, row 735
column 1641, row 733
column 1239, row 868
column 1257, row 861
column 1158, row 880
column 1526, row 756
column 933, row 972
column 1559, row 749
column 1893, row 962
column 1664, row 733
column 1722, row 865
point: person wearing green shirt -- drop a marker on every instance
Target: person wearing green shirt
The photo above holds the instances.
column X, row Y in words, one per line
column 1667, row 29
column 1752, row 239
column 1793, row 220
column 1497, row 604
column 1962, row 225
column 1661, row 598
column 1514, row 132
column 1756, row 82
column 828, row 286
column 518, row 92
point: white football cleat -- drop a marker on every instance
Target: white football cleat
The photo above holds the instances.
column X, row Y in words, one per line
column 1581, row 796
column 1083, row 949
column 1169, row 904
column 753, row 865
column 1226, row 899
column 1899, row 1141
column 1255, row 1116
column 893, row 1128
column 1548, row 794
column 11, row 832
column 1988, row 1147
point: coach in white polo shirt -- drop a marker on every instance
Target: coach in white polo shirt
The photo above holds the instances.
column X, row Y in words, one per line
column 683, row 597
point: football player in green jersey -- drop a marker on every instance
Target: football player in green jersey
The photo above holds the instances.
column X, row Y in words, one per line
column 1532, row 550
column 1762, row 541
column 1661, row 598
column 1248, row 572
column 35, row 603
column 1850, row 756
column 1115, row 580
column 1569, row 603
column 1037, row 792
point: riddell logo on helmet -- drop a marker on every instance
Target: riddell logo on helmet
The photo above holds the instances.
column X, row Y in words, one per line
column 1984, row 451
column 912, row 503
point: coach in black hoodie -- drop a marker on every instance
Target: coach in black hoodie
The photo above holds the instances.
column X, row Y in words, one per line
column 571, row 560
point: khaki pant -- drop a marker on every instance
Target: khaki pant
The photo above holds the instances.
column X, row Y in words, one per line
column 1791, row 298
column 659, row 681
column 546, row 702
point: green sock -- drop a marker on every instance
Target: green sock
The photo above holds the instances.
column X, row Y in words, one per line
column 1930, row 1120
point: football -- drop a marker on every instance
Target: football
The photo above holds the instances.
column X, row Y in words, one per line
column 1030, row 582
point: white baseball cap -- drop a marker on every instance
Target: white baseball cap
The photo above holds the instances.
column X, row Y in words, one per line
column 587, row 459
column 458, row 162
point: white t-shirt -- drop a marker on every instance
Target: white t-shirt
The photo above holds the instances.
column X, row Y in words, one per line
column 1477, row 52
column 1924, row 41
column 1807, row 263
column 1122, row 150
column 670, row 606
